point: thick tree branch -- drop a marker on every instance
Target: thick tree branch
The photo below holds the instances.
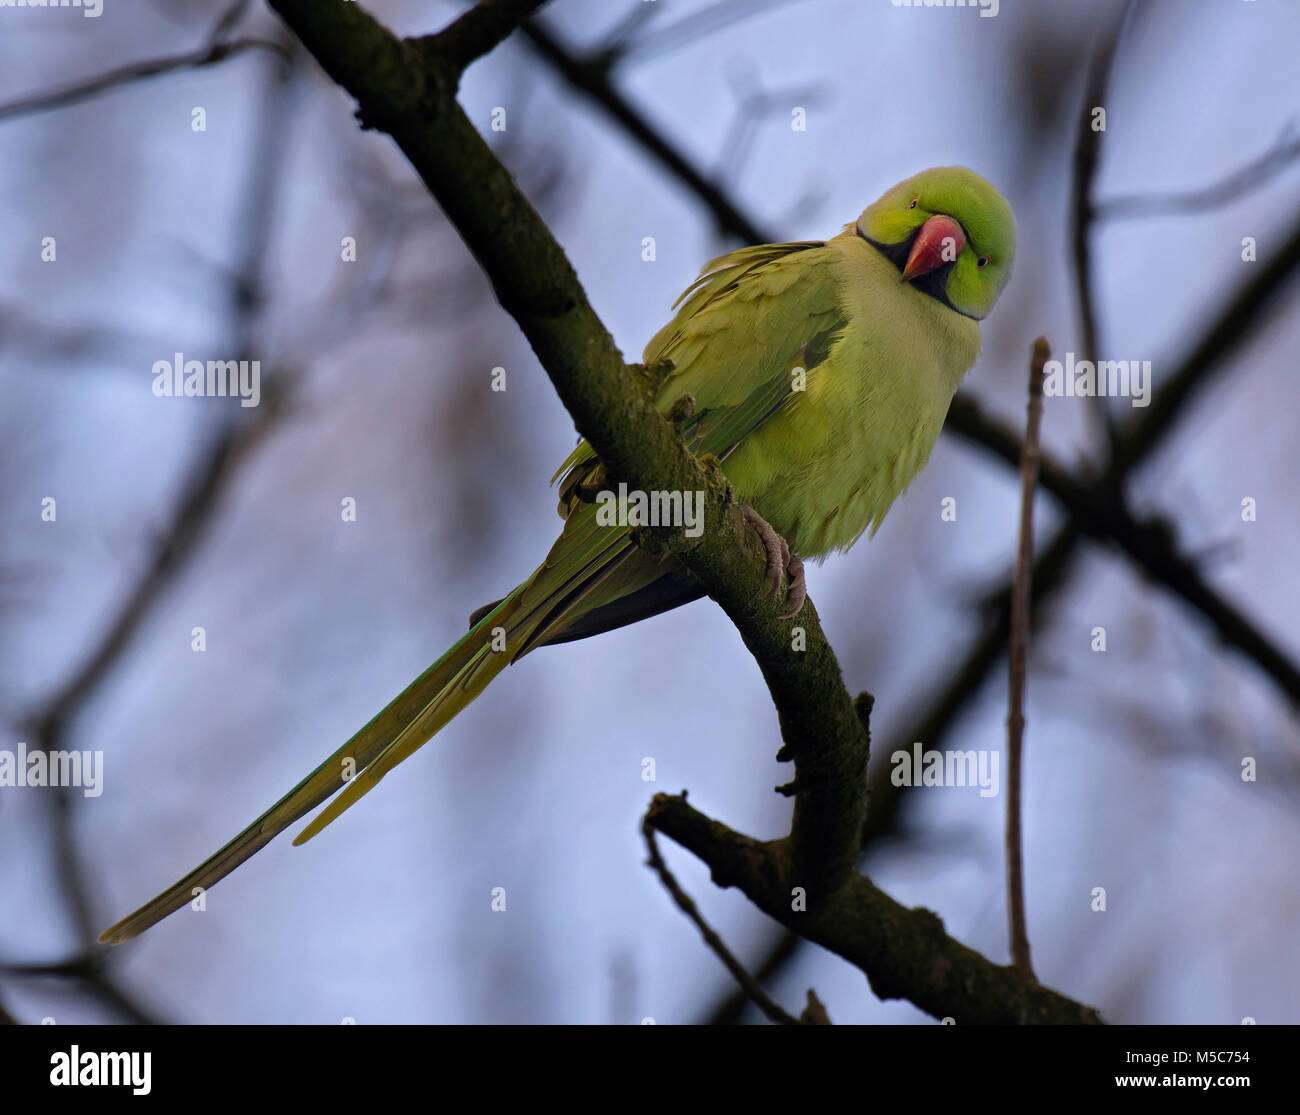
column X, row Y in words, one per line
column 905, row 953
column 887, row 801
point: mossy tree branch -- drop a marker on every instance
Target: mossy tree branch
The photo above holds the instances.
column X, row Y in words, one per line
column 905, row 953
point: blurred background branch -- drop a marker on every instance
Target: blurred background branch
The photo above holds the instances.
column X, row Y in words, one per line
column 233, row 437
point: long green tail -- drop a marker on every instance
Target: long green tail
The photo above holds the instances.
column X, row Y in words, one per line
column 578, row 574
column 594, row 578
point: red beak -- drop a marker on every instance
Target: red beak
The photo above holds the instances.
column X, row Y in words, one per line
column 939, row 241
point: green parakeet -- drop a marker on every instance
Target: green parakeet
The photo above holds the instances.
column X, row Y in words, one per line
column 883, row 320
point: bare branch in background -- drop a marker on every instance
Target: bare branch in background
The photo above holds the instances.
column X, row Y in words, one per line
column 83, row 90
column 754, row 103
column 1087, row 150
column 227, row 20
column 697, row 25
column 90, row 971
column 207, row 480
column 592, row 79
column 686, row 903
column 622, row 38
column 1150, row 544
column 1235, row 186
column 1017, row 658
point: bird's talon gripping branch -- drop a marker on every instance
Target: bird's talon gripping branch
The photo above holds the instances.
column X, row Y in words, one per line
column 780, row 561
column 797, row 593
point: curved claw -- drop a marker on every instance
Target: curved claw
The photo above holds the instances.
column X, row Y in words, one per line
column 798, row 591
column 780, row 561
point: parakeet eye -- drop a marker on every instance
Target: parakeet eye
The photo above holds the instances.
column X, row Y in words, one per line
column 912, row 204
column 982, row 262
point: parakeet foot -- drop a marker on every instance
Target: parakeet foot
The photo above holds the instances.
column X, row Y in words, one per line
column 780, row 562
column 797, row 593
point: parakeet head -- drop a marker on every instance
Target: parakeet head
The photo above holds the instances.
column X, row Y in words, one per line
column 949, row 233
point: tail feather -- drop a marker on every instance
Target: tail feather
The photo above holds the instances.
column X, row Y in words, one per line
column 580, row 564
column 541, row 606
column 435, row 689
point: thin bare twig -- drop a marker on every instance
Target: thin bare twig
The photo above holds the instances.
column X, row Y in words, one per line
column 814, row 1014
column 136, row 71
column 92, row 973
column 1255, row 174
column 592, row 78
column 753, row 104
column 481, row 29
column 1149, row 543
column 748, row 984
column 622, row 38
column 1017, row 656
column 227, row 20
column 205, row 482
column 696, row 25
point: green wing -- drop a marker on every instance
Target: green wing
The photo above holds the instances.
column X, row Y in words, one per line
column 740, row 330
